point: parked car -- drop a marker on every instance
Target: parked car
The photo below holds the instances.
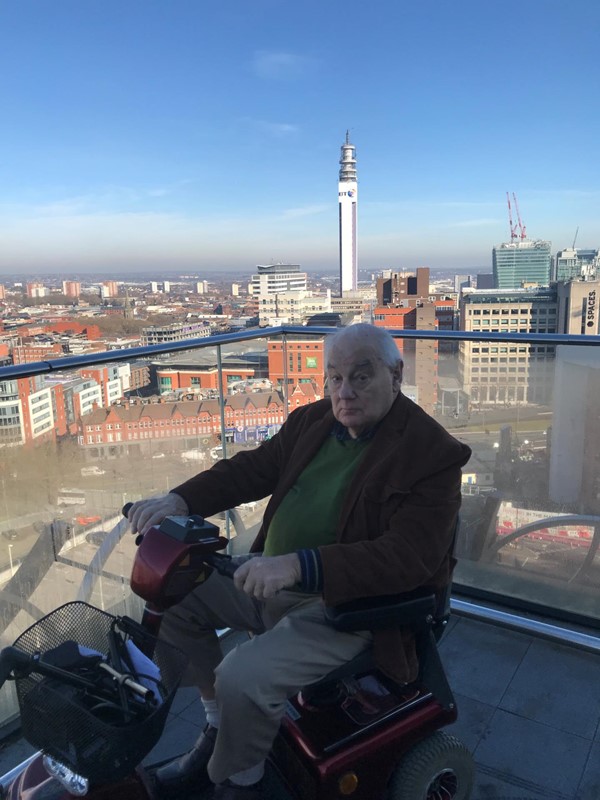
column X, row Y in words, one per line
column 88, row 471
column 10, row 534
column 158, row 455
column 87, row 519
column 96, row 538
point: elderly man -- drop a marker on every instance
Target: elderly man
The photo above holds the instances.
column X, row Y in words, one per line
column 365, row 491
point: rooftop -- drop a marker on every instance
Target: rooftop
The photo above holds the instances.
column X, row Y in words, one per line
column 529, row 711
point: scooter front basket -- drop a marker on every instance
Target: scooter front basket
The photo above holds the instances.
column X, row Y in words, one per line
column 105, row 731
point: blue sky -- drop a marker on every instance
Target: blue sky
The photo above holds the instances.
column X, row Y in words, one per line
column 205, row 134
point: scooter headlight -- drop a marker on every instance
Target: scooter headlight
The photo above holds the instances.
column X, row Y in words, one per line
column 73, row 783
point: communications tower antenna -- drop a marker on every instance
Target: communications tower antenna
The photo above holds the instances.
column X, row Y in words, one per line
column 521, row 226
column 513, row 230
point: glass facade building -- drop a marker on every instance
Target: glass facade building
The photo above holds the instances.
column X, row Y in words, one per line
column 516, row 264
column 572, row 264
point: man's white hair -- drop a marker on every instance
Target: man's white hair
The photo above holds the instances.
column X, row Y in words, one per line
column 381, row 340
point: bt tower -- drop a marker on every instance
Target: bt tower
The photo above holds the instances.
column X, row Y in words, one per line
column 347, row 198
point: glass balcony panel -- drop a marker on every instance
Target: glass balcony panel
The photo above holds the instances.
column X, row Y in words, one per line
column 531, row 506
column 531, row 492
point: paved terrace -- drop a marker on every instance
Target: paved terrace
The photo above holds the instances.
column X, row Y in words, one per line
column 529, row 711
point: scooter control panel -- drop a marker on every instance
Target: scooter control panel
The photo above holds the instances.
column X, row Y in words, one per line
column 189, row 529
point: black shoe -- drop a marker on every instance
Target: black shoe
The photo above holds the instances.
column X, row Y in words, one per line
column 189, row 770
column 231, row 791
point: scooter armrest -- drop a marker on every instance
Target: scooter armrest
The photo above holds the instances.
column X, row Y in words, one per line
column 384, row 612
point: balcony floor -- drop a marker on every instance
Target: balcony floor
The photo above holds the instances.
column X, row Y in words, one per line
column 529, row 711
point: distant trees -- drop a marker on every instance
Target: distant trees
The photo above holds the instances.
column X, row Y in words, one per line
column 117, row 325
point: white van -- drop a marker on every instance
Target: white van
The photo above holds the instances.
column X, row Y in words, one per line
column 192, row 455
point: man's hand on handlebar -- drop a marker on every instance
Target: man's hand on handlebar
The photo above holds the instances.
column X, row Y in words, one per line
column 264, row 576
column 145, row 514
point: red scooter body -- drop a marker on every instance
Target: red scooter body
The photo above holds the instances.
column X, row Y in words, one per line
column 322, row 752
column 318, row 750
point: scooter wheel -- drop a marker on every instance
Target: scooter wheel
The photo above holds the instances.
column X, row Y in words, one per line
column 437, row 768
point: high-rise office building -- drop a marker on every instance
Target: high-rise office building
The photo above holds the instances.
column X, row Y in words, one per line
column 496, row 373
column 573, row 264
column 281, row 295
column 520, row 264
column 394, row 287
column 347, row 199
column 272, row 278
column 578, row 303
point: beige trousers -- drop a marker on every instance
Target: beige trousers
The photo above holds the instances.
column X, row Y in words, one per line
column 295, row 647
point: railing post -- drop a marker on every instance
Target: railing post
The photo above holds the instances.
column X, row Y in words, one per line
column 221, row 400
column 285, row 376
column 223, row 436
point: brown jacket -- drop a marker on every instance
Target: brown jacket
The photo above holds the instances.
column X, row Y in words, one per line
column 395, row 530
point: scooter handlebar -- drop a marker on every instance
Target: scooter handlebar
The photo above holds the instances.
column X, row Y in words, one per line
column 221, row 563
column 12, row 658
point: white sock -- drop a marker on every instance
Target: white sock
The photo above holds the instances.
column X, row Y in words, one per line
column 213, row 715
column 248, row 776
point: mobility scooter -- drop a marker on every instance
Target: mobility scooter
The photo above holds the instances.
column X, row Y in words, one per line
column 95, row 690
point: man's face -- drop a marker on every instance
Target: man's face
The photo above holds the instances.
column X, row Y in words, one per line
column 361, row 385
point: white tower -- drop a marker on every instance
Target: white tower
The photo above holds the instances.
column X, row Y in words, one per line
column 348, row 196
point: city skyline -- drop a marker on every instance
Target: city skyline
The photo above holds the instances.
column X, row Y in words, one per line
column 144, row 137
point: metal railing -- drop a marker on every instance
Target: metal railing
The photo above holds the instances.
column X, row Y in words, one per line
column 506, row 584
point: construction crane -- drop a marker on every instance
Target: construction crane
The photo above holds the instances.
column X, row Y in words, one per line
column 513, row 230
column 521, row 226
column 575, row 237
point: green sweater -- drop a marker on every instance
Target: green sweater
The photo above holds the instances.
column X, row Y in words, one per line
column 308, row 515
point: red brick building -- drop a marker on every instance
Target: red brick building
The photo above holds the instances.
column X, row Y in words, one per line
column 304, row 363
column 175, row 377
column 248, row 418
column 29, row 353
column 420, row 355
